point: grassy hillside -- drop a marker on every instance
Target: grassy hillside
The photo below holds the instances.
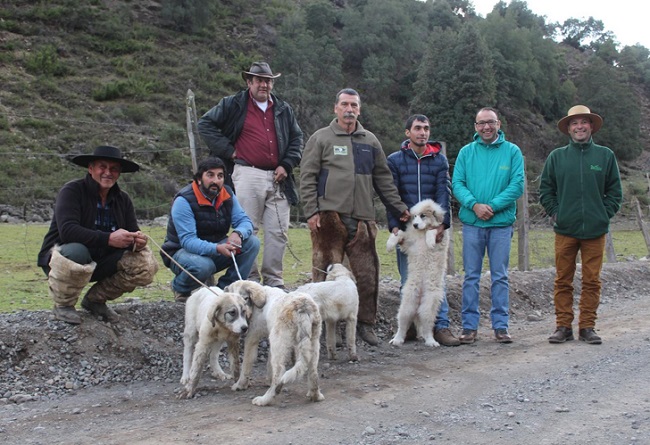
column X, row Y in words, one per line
column 76, row 74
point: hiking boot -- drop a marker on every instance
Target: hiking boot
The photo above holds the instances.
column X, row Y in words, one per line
column 561, row 334
column 468, row 336
column 181, row 297
column 502, row 336
column 588, row 335
column 100, row 310
column 67, row 313
column 412, row 333
column 445, row 337
column 367, row 333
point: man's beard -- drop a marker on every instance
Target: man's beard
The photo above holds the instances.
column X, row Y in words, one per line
column 211, row 192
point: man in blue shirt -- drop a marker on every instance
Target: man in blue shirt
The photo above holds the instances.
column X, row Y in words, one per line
column 197, row 238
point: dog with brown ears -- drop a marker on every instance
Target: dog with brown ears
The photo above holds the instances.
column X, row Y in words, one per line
column 423, row 291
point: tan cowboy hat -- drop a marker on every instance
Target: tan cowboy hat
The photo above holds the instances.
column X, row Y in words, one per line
column 580, row 111
column 106, row 152
column 260, row 69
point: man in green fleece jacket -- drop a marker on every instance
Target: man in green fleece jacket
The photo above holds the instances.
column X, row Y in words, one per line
column 581, row 191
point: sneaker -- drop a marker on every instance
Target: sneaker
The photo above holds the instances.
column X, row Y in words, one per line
column 561, row 334
column 445, row 337
column 367, row 333
column 588, row 335
column 468, row 336
column 502, row 336
column 67, row 313
column 100, row 310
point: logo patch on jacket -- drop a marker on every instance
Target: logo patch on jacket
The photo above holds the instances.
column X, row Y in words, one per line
column 340, row 150
column 597, row 168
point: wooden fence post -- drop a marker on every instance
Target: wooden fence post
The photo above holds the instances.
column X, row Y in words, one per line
column 192, row 128
column 523, row 227
column 642, row 226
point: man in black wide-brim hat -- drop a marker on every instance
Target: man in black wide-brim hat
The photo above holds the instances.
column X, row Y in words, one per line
column 94, row 236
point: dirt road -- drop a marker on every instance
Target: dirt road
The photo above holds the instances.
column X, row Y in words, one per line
column 528, row 392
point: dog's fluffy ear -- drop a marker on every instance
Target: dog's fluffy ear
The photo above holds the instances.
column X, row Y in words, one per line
column 255, row 294
column 214, row 317
column 430, row 238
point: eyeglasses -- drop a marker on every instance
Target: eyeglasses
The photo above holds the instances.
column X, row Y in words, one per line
column 488, row 123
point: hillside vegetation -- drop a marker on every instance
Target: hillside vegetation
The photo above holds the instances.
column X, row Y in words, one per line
column 76, row 74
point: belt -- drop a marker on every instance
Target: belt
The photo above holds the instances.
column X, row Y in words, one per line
column 246, row 164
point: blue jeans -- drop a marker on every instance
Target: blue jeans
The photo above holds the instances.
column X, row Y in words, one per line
column 203, row 267
column 442, row 320
column 476, row 240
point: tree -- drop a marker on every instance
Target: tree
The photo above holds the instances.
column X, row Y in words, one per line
column 602, row 89
column 455, row 80
column 308, row 62
column 579, row 34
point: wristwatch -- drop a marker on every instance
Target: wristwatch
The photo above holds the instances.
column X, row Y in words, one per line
column 239, row 233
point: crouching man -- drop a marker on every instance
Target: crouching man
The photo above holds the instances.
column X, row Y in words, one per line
column 94, row 237
column 197, row 233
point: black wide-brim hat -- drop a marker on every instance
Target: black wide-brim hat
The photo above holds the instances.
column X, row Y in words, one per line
column 106, row 152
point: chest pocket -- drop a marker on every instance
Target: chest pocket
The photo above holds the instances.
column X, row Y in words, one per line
column 364, row 159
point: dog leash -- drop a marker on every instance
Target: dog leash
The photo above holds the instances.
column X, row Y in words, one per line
column 202, row 284
column 234, row 261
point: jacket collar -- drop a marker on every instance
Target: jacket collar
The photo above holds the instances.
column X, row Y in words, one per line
column 222, row 197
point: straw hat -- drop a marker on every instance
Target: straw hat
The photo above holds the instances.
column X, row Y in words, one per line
column 580, row 111
column 107, row 152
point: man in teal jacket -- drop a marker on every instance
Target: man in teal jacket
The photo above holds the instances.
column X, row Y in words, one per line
column 487, row 181
column 581, row 191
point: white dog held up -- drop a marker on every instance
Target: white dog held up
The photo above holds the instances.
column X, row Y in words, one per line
column 423, row 291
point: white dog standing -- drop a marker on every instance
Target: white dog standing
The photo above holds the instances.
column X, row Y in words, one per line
column 423, row 291
column 338, row 300
column 293, row 325
column 212, row 318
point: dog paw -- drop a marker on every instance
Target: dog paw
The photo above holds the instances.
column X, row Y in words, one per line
column 184, row 380
column 392, row 242
column 260, row 401
column 397, row 341
column 221, row 375
column 185, row 394
column 315, row 396
column 432, row 343
column 430, row 238
column 239, row 386
column 353, row 358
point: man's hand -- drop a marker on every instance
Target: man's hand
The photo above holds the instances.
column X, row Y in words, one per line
column 122, row 239
column 232, row 244
column 440, row 233
column 314, row 222
column 406, row 215
column 280, row 174
column 140, row 240
column 483, row 211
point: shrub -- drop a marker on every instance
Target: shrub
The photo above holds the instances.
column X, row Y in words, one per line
column 46, row 62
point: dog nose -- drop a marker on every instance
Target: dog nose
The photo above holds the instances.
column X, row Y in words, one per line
column 244, row 328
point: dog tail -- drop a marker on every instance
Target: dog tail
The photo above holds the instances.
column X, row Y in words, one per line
column 308, row 326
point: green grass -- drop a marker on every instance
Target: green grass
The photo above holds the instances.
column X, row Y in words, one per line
column 23, row 285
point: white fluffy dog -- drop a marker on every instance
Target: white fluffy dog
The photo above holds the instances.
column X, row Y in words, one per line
column 337, row 299
column 292, row 323
column 212, row 318
column 423, row 291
